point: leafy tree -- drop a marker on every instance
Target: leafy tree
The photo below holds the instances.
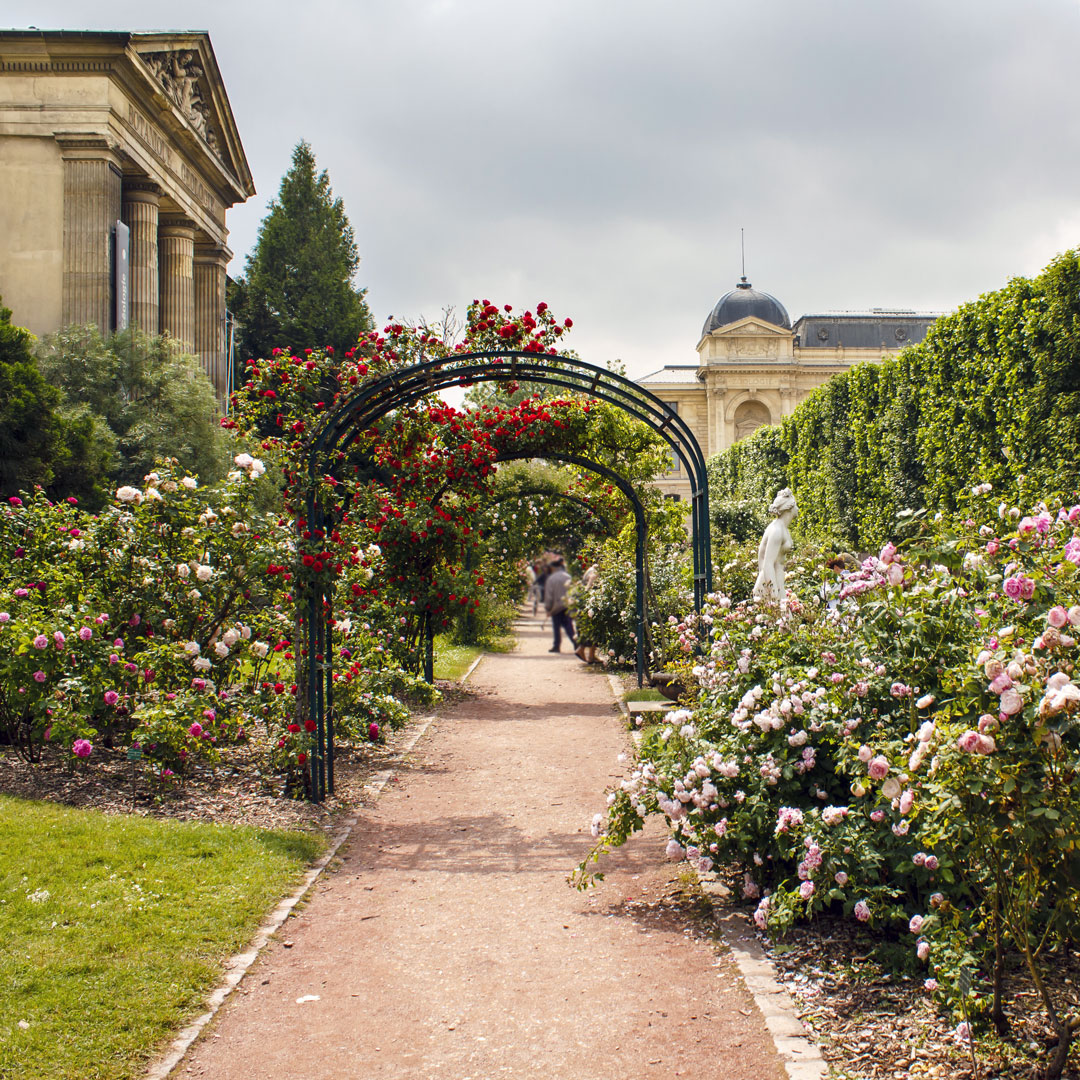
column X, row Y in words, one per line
column 32, row 435
column 131, row 399
column 298, row 289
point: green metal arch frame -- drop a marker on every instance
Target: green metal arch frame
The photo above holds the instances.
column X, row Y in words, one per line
column 386, row 393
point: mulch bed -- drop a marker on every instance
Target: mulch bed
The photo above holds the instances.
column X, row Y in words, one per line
column 236, row 791
column 872, row 1025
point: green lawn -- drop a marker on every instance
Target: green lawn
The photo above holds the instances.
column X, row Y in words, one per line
column 452, row 661
column 114, row 929
column 644, row 693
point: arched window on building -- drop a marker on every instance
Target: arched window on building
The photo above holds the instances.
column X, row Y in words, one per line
column 749, row 416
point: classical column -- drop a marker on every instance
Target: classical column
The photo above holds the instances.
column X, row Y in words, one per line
column 92, row 183
column 176, row 266
column 140, row 215
column 210, row 262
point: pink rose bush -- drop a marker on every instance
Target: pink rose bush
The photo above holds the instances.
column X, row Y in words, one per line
column 957, row 765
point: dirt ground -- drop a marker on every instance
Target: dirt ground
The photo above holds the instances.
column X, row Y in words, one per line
column 447, row 943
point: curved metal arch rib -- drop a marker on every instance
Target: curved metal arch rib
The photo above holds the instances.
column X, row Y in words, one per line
column 398, row 389
column 405, row 387
column 640, row 552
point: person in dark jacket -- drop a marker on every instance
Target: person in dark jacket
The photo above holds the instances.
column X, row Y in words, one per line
column 556, row 589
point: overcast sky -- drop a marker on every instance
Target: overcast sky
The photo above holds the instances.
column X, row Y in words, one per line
column 602, row 155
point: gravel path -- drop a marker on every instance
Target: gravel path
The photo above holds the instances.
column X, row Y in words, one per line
column 448, row 945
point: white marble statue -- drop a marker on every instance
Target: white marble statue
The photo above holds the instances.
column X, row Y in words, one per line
column 775, row 546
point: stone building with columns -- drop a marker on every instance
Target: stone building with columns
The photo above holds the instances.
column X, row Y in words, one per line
column 119, row 156
column 754, row 365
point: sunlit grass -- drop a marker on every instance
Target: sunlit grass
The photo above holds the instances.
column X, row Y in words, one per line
column 115, row 928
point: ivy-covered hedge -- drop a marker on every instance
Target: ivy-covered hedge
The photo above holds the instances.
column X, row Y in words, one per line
column 991, row 394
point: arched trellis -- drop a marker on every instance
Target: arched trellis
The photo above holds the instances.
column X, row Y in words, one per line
column 527, row 494
column 398, row 389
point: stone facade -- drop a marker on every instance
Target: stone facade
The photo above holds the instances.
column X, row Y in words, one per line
column 100, row 127
column 754, row 366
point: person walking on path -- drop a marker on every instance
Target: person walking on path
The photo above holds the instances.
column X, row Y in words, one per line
column 556, row 589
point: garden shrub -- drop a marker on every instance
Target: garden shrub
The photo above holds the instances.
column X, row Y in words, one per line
column 993, row 391
column 900, row 743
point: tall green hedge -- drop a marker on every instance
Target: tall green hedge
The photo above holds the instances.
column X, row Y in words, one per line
column 991, row 394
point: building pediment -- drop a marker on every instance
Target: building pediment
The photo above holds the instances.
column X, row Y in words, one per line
column 185, row 78
column 748, row 327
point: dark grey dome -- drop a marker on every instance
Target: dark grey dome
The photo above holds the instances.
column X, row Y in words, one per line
column 744, row 300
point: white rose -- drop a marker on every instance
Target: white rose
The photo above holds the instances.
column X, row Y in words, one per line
column 129, row 495
column 204, row 573
column 183, row 570
column 202, row 664
column 192, row 648
column 260, row 649
column 190, row 483
column 230, row 637
column 221, row 649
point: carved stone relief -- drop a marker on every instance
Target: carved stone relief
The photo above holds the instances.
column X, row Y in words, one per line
column 179, row 73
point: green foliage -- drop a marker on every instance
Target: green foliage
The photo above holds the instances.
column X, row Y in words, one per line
column 298, row 289
column 606, row 612
column 32, row 436
column 116, row 927
column 132, row 399
column 992, row 393
column 739, row 519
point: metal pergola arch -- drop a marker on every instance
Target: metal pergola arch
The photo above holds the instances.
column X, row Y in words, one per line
column 385, row 393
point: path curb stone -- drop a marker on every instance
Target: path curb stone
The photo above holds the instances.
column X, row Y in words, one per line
column 238, row 966
column 797, row 1050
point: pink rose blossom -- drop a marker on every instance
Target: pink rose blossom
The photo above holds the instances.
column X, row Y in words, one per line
column 59, row 640
column 930, row 985
column 916, row 924
column 85, row 633
column 195, row 730
column 82, row 748
column 931, row 862
column 862, row 911
column 888, row 553
column 806, row 890
column 968, row 742
column 895, row 573
column 840, row 878
column 41, row 642
column 877, row 815
column 39, row 676
column 922, row 950
column 111, row 697
column 1057, row 617
column 878, row 768
column 1011, row 702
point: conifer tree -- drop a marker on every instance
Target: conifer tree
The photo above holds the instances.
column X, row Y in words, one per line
column 298, row 289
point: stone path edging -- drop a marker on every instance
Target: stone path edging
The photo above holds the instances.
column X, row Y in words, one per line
column 238, row 965
column 796, row 1047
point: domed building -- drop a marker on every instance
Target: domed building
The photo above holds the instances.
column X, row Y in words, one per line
column 754, row 365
